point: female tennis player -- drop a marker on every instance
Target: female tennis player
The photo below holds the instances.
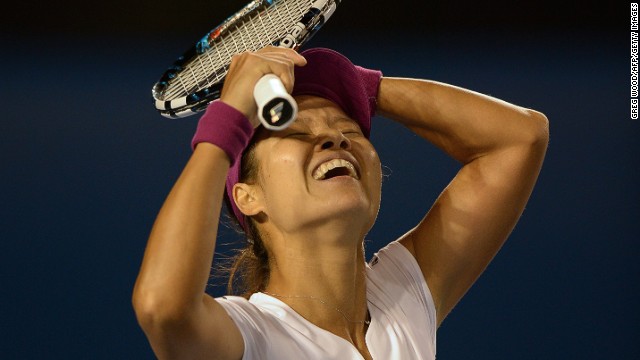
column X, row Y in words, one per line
column 307, row 196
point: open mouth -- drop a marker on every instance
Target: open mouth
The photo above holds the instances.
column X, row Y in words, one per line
column 334, row 168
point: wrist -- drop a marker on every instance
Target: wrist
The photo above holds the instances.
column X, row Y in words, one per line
column 246, row 106
column 371, row 84
column 226, row 127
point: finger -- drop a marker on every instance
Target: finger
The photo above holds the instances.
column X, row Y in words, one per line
column 278, row 63
column 284, row 69
column 291, row 54
column 247, row 68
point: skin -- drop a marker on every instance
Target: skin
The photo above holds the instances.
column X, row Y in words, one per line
column 316, row 240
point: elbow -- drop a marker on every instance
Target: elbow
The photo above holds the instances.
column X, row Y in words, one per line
column 148, row 310
column 537, row 129
column 155, row 312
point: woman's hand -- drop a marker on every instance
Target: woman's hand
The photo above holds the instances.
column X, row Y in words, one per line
column 178, row 317
column 247, row 68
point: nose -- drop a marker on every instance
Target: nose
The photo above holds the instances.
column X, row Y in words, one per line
column 334, row 139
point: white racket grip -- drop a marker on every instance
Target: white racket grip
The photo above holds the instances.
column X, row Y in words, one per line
column 276, row 107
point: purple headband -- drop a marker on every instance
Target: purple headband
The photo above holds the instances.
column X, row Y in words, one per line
column 330, row 75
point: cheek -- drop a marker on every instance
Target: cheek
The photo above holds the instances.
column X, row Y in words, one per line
column 283, row 170
column 374, row 167
column 376, row 176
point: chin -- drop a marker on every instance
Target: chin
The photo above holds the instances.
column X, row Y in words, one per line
column 349, row 209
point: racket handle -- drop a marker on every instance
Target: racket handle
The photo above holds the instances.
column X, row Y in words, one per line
column 276, row 107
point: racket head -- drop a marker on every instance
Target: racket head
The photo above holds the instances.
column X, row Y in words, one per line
column 196, row 78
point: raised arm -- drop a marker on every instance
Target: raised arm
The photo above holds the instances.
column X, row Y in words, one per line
column 171, row 305
column 501, row 147
column 179, row 319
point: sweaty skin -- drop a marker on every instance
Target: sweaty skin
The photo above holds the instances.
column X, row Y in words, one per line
column 316, row 240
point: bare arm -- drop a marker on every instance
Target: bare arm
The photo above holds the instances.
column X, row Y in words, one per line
column 180, row 320
column 501, row 147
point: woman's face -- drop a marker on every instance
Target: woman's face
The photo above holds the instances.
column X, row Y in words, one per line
column 320, row 169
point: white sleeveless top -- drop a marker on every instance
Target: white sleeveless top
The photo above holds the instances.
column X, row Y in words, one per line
column 403, row 318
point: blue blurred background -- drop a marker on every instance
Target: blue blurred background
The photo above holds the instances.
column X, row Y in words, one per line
column 86, row 163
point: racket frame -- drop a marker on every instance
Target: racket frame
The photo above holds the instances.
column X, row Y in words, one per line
column 195, row 101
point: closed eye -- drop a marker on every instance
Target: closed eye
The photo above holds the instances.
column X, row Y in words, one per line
column 352, row 133
column 297, row 134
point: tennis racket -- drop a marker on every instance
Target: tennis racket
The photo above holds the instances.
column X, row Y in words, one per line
column 196, row 78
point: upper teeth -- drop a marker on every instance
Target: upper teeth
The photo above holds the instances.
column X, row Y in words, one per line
column 322, row 170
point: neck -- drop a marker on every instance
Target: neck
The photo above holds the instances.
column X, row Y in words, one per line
column 322, row 278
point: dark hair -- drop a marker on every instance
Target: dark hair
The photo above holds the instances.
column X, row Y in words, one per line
column 249, row 270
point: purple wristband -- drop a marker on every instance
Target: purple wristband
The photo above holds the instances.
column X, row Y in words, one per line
column 371, row 83
column 225, row 127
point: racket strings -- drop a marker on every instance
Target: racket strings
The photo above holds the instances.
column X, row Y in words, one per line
column 260, row 28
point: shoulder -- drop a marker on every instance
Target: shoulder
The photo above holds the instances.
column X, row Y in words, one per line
column 272, row 330
column 396, row 270
column 396, row 284
column 401, row 301
column 395, row 261
column 252, row 322
column 254, row 313
column 238, row 306
column 262, row 323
